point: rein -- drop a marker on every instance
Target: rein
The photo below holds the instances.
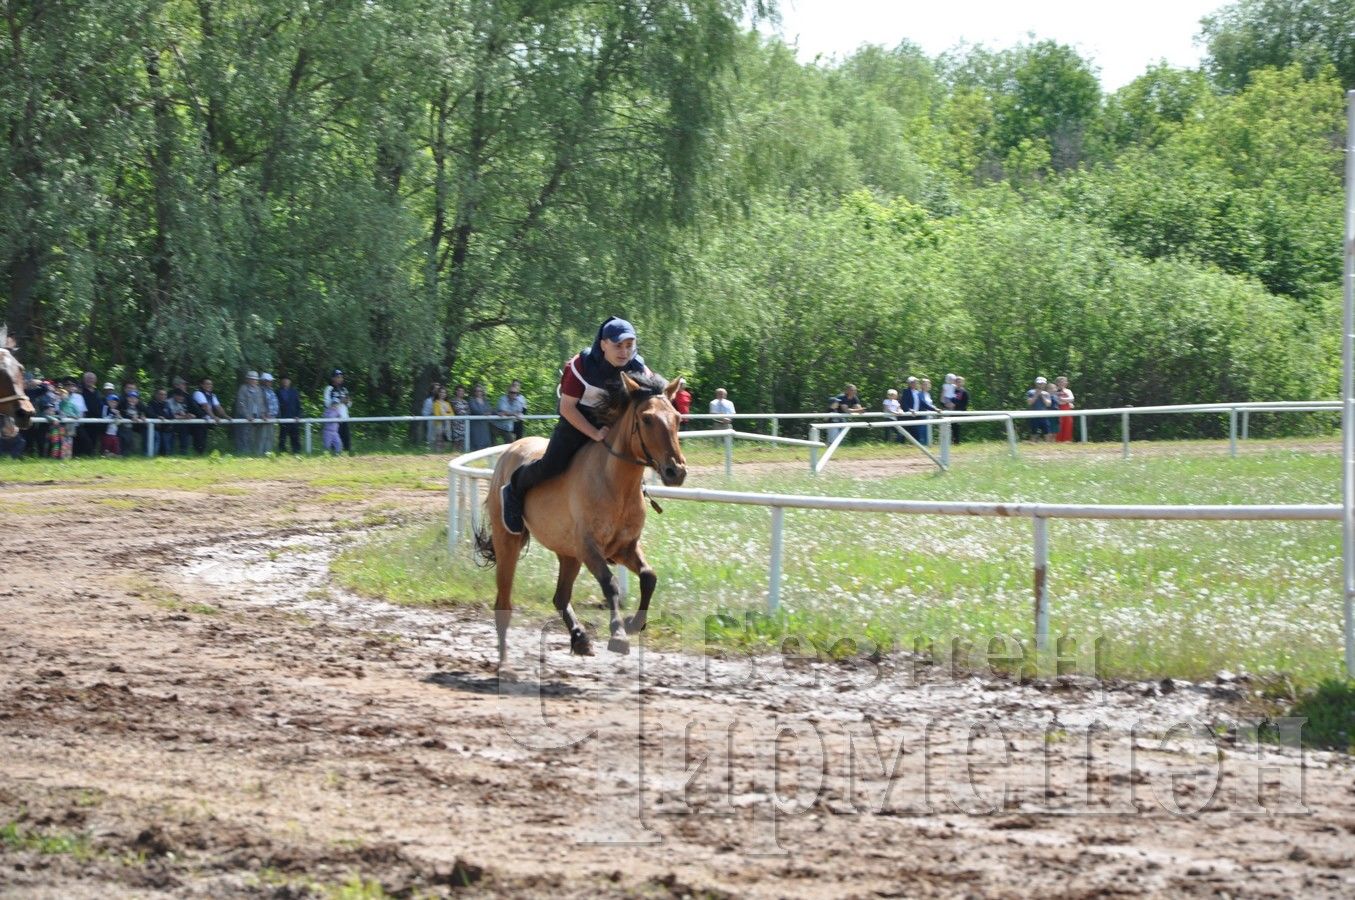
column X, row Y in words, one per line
column 647, row 462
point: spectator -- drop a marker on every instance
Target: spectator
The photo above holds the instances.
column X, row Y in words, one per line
column 336, row 392
column 270, row 402
column 87, row 438
column 180, row 407
column 132, row 431
column 433, row 431
column 948, row 392
column 12, row 443
column 846, row 403
column 68, row 409
column 330, row 437
column 915, row 403
column 1063, row 397
column 108, row 391
column 460, row 407
column 249, row 405
column 960, row 403
column 682, row 402
column 891, row 406
column 1040, row 398
column 722, row 406
column 159, row 408
column 512, row 406
column 44, row 402
column 289, row 407
column 479, row 429
column 441, row 431
column 925, row 392
column 109, row 445
column 206, row 405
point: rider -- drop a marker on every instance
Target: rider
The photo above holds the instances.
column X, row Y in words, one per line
column 582, row 390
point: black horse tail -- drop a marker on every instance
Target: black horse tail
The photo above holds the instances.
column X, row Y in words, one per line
column 484, row 546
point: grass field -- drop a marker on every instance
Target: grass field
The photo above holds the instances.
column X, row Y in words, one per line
column 1182, row 599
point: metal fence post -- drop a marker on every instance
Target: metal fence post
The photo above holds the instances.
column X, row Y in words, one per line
column 623, row 581
column 473, row 495
column 945, row 445
column 774, row 566
column 1041, row 583
column 453, row 508
column 1124, row 434
column 1082, row 420
column 465, row 436
column 308, row 439
column 1246, row 423
column 1232, row 432
column 150, row 439
column 729, row 456
column 814, row 449
column 1011, row 436
column 775, row 422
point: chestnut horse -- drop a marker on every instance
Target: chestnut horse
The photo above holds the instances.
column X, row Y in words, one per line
column 592, row 514
column 14, row 403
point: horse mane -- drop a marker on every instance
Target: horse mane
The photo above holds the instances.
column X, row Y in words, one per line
column 610, row 411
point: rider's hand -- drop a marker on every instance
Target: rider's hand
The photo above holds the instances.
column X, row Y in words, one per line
column 602, row 434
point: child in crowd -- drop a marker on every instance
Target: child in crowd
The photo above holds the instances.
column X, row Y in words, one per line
column 332, row 441
column 110, row 444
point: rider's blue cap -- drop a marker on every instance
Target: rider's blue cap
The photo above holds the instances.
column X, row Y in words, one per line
column 616, row 330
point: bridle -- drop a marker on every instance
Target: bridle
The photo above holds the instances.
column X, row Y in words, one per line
column 648, row 461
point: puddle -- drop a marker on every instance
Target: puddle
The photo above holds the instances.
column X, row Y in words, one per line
column 292, row 574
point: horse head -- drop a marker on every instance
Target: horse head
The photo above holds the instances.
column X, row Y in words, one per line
column 650, row 426
column 14, row 403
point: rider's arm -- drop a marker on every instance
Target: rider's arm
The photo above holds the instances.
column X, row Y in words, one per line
column 569, row 408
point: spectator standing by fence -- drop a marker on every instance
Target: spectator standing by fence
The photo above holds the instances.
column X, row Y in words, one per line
column 432, row 431
column 1041, row 398
column 109, row 445
column 329, row 435
column 132, row 433
column 289, row 407
column 267, row 431
column 1063, row 396
column 891, row 405
column 88, row 436
column 479, row 429
column 337, row 392
column 722, row 406
column 959, row 403
column 158, row 408
column 206, row 405
column 512, row 406
column 249, row 404
column 460, row 407
column 440, row 431
column 682, row 402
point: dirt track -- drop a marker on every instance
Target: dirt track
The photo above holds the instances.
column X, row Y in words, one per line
column 186, row 698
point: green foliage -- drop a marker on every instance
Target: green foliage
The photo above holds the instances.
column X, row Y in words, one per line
column 1251, row 35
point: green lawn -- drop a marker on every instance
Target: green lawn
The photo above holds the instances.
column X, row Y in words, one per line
column 1165, row 598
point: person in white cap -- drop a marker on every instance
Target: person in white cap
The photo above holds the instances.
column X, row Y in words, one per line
column 249, row 404
column 267, row 432
column 1041, row 397
column 948, row 391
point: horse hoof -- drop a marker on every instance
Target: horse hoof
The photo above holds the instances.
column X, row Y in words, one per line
column 619, row 645
column 581, row 645
column 634, row 627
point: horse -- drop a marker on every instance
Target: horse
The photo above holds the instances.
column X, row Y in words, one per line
column 14, row 403
column 594, row 512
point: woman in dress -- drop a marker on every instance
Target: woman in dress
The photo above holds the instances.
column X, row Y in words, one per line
column 1064, row 396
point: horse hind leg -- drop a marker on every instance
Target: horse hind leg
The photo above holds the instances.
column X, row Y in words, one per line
column 507, row 548
column 634, row 560
column 579, row 642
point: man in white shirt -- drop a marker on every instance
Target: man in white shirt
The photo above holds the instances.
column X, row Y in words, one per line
column 722, row 406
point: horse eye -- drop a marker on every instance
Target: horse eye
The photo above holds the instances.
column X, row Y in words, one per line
column 647, row 418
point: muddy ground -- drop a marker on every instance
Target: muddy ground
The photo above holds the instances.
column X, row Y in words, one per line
column 188, row 707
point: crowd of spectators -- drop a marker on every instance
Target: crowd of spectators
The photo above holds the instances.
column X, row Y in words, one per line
column 264, row 411
column 184, row 417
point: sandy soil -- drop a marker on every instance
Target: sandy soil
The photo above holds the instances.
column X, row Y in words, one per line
column 186, row 696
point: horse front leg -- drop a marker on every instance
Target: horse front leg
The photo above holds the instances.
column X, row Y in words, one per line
column 579, row 643
column 611, row 592
column 634, row 560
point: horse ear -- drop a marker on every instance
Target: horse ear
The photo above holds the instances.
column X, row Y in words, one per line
column 629, row 383
column 673, row 387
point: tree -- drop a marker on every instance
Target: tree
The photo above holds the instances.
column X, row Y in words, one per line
column 1250, row 35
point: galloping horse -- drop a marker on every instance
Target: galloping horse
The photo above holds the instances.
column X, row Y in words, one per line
column 592, row 514
column 14, row 403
